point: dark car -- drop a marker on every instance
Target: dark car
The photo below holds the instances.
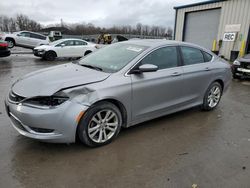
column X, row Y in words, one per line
column 241, row 67
column 4, row 50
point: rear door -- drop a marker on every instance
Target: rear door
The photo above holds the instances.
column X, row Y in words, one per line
column 153, row 93
column 36, row 39
column 80, row 48
column 198, row 73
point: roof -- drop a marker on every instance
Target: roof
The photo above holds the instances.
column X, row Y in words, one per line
column 199, row 3
column 150, row 42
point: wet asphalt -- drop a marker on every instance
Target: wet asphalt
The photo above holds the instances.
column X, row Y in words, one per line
column 185, row 149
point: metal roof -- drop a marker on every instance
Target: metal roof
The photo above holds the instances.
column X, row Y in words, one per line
column 199, row 3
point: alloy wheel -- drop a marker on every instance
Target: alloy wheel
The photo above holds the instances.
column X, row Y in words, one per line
column 214, row 96
column 103, row 126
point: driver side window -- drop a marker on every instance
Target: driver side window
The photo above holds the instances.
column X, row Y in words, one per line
column 165, row 57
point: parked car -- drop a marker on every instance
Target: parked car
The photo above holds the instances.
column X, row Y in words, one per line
column 118, row 86
column 241, row 67
column 25, row 39
column 4, row 50
column 65, row 48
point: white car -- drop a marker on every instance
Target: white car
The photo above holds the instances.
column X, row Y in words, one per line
column 65, row 48
column 25, row 39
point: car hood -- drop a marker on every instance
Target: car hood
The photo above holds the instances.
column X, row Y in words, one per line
column 48, row 81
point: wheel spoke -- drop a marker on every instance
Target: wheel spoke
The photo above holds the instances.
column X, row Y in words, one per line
column 110, row 117
column 107, row 115
column 95, row 120
column 211, row 103
column 93, row 134
column 111, row 129
column 104, row 135
column 100, row 136
column 216, row 90
column 94, row 128
column 99, row 116
column 112, row 124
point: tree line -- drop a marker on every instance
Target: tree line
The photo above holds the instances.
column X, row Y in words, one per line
column 23, row 22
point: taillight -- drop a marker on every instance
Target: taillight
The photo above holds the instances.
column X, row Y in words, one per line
column 3, row 44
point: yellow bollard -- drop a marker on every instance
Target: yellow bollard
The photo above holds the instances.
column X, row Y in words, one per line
column 214, row 46
column 242, row 48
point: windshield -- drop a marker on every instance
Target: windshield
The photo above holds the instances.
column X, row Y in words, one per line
column 114, row 57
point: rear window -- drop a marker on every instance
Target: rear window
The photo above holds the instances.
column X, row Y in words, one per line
column 191, row 55
column 36, row 36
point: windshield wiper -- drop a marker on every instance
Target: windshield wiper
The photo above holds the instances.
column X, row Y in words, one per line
column 92, row 67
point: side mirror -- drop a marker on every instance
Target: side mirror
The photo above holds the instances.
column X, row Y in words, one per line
column 145, row 68
column 148, row 68
column 18, row 35
column 62, row 45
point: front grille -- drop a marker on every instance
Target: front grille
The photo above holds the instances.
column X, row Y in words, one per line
column 15, row 98
column 245, row 65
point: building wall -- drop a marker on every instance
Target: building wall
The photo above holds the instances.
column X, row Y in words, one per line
column 232, row 12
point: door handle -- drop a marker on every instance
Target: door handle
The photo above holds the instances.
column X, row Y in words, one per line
column 176, row 74
column 207, row 69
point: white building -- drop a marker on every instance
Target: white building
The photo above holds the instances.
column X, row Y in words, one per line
column 219, row 25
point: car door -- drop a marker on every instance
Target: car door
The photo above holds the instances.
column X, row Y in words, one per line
column 197, row 73
column 36, row 39
column 23, row 39
column 80, row 48
column 155, row 93
column 65, row 49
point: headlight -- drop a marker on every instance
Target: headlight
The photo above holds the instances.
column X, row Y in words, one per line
column 45, row 102
column 236, row 62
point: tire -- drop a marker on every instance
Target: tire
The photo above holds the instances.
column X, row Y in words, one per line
column 92, row 126
column 50, row 56
column 87, row 52
column 212, row 96
column 11, row 42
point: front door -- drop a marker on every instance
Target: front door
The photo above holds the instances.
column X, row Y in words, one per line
column 65, row 49
column 153, row 93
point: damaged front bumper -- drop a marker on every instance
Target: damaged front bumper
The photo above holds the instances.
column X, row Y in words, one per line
column 56, row 125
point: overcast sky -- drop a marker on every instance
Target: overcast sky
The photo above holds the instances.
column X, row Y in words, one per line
column 99, row 12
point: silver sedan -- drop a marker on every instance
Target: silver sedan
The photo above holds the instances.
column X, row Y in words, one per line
column 117, row 86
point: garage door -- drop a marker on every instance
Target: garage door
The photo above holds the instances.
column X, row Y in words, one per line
column 202, row 27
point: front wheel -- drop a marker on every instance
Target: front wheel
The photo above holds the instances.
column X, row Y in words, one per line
column 212, row 96
column 50, row 56
column 100, row 125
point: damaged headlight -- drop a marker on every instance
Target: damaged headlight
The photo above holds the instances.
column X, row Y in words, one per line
column 45, row 102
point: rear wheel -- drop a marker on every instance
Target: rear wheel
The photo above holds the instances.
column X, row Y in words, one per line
column 50, row 56
column 212, row 96
column 100, row 125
